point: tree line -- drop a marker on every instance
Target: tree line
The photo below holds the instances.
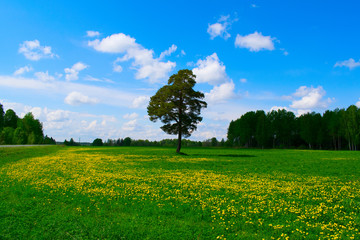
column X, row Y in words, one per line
column 338, row 129
column 213, row 142
column 26, row 130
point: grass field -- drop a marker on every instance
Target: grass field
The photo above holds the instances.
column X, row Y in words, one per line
column 152, row 193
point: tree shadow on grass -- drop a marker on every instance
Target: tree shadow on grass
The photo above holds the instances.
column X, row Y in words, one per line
column 183, row 154
column 11, row 155
column 225, row 155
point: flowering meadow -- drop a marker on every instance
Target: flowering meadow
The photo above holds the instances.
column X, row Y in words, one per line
column 152, row 193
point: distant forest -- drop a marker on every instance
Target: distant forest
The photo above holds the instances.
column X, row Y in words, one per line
column 337, row 130
column 16, row 130
column 213, row 142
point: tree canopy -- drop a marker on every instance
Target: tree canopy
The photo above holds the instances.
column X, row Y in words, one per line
column 26, row 130
column 337, row 129
column 178, row 105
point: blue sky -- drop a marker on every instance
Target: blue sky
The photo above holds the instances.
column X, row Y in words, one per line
column 86, row 69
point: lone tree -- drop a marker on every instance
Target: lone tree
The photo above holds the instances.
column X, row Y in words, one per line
column 177, row 105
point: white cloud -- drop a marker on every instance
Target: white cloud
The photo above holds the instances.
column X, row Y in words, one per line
column 130, row 125
column 140, row 102
column 255, row 42
column 310, row 97
column 62, row 124
column 116, row 66
column 243, row 80
column 23, row 70
column 155, row 71
column 183, row 52
column 77, row 98
column 32, row 50
column 300, row 112
column 93, row 79
column 358, row 103
column 36, row 111
column 221, row 93
column 130, row 116
column 58, row 116
column 44, row 76
column 116, row 43
column 219, row 29
column 210, row 70
column 91, row 126
column 168, row 52
column 73, row 72
column 92, row 33
column 351, row 64
column 144, row 63
column 276, row 108
column 109, row 96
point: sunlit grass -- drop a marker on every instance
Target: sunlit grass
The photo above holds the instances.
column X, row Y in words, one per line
column 152, row 193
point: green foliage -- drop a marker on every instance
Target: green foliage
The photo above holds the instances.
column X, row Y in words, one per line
column 97, row 142
column 49, row 140
column 281, row 129
column 27, row 130
column 20, row 136
column 10, row 119
column 33, row 129
column 71, row 143
column 7, row 135
column 127, row 141
column 1, row 117
column 177, row 105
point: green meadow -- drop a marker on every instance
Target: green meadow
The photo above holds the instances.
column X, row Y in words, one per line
column 152, row 193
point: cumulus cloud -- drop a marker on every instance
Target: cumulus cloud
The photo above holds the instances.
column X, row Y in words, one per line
column 155, row 71
column 168, row 52
column 140, row 102
column 351, row 64
column 77, row 98
column 116, row 43
column 32, row 50
column 146, row 65
column 210, row 70
column 23, row 70
column 92, row 33
column 219, row 29
column 255, row 42
column 221, row 93
column 310, row 97
column 44, row 76
column 73, row 72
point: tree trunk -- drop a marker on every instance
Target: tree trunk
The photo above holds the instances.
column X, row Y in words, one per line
column 179, row 143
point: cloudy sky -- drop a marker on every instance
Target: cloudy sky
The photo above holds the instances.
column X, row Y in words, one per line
column 87, row 69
